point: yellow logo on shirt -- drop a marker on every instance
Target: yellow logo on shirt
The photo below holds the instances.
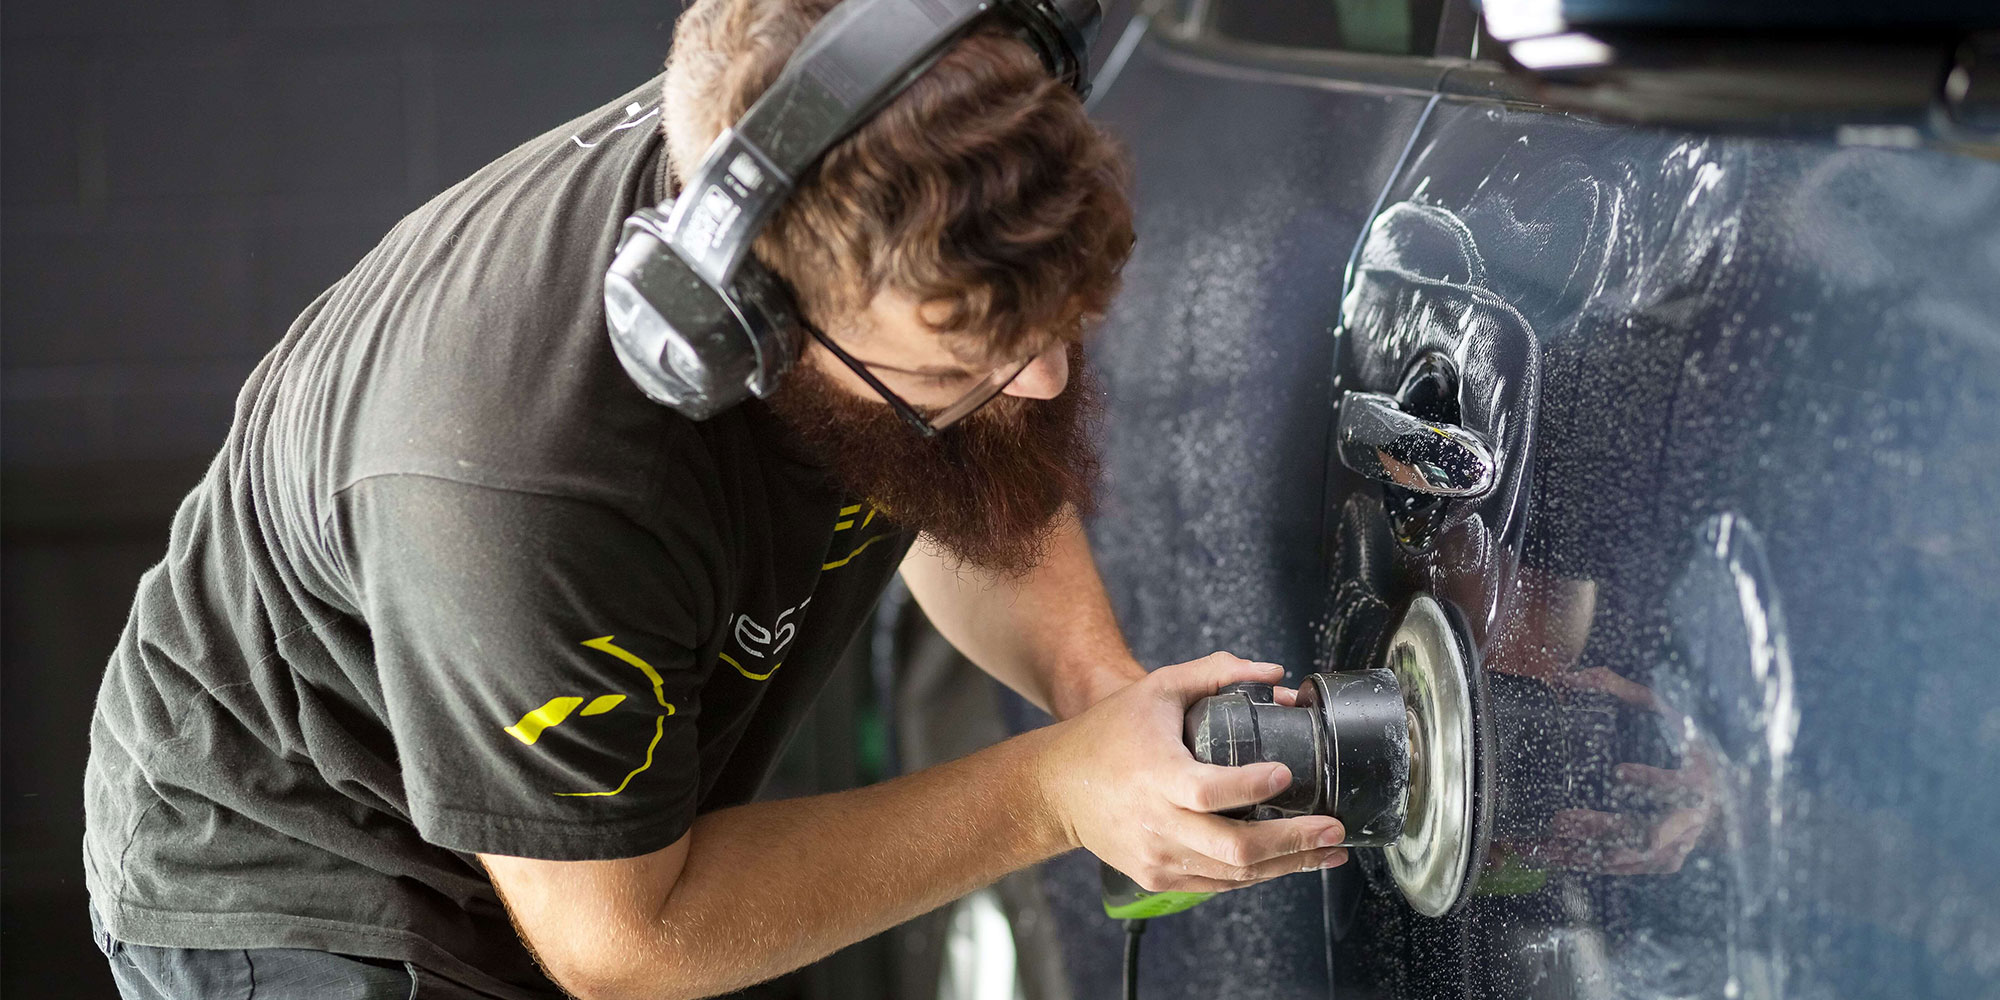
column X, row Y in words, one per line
column 555, row 710
column 851, row 519
column 529, row 729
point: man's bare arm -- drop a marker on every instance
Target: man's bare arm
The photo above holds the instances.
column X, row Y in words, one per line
column 761, row 889
column 757, row 890
column 1050, row 635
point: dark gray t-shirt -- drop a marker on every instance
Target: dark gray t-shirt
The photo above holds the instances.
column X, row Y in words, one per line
column 454, row 586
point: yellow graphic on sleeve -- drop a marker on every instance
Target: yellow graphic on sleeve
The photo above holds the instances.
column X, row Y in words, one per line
column 848, row 513
column 847, row 522
column 552, row 713
column 605, row 644
column 606, row 702
column 529, row 729
column 745, row 671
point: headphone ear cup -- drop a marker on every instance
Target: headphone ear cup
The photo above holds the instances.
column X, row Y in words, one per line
column 695, row 320
column 686, row 343
column 771, row 317
column 679, row 338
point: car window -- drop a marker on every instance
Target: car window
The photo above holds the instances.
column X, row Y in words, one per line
column 1392, row 27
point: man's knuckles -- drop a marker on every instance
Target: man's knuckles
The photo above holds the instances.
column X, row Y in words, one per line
column 1237, row 854
column 1194, row 795
column 1159, row 859
column 1199, row 792
column 1208, row 788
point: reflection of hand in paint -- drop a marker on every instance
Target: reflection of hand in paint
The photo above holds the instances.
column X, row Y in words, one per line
column 1667, row 810
column 1662, row 814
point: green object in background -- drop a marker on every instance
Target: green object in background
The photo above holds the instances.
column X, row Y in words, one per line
column 1124, row 900
column 1153, row 904
column 1508, row 875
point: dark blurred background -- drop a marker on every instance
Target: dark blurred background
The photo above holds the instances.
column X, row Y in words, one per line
column 176, row 182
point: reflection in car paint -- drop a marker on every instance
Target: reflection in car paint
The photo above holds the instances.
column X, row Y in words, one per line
column 1691, row 333
column 1730, row 670
column 1677, row 811
column 1581, row 786
column 1217, row 362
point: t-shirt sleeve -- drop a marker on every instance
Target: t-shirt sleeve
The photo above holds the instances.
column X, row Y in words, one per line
column 537, row 657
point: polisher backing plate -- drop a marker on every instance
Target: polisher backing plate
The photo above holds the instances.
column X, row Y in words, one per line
column 1429, row 861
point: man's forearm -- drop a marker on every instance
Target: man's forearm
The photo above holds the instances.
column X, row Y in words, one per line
column 771, row 886
column 1050, row 635
column 758, row 890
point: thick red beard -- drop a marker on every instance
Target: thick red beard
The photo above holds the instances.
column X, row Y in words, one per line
column 987, row 489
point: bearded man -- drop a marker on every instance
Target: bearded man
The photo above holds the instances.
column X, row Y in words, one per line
column 462, row 629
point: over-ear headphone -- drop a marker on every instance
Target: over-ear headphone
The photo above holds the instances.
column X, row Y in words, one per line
column 697, row 322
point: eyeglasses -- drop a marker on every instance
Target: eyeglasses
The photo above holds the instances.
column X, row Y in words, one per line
column 930, row 426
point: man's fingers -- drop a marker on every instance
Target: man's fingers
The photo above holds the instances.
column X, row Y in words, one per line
column 1309, row 861
column 1566, row 854
column 1589, row 824
column 1679, row 833
column 1196, row 679
column 1241, row 844
column 1208, row 788
column 1618, row 844
column 1606, row 681
column 1197, row 883
column 1200, row 866
column 1664, row 785
column 1673, row 838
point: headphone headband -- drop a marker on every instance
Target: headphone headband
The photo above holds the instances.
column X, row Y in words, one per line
column 701, row 340
column 855, row 60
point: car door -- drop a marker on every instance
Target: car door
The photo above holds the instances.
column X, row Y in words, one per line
column 1730, row 602
column 1257, row 166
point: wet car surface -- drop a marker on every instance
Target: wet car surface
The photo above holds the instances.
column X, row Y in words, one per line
column 1731, row 599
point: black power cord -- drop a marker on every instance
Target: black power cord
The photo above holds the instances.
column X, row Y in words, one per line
column 1133, row 930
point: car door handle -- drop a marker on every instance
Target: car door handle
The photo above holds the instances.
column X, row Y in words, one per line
column 1380, row 441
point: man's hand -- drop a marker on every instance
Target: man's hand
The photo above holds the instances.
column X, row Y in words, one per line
column 1126, row 788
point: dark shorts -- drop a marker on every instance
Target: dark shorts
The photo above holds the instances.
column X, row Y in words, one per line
column 144, row 972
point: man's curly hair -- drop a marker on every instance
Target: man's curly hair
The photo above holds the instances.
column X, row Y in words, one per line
column 982, row 191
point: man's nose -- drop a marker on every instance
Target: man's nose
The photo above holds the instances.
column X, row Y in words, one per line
column 1045, row 377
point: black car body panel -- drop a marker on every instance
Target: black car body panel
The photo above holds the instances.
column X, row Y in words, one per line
column 1745, row 397
column 1252, row 187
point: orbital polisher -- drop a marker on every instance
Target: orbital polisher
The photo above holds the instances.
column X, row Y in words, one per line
column 1388, row 751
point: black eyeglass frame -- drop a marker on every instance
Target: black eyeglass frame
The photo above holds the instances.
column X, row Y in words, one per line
column 928, row 427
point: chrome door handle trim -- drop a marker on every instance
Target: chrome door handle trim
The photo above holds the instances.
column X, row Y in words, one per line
column 1380, row 441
